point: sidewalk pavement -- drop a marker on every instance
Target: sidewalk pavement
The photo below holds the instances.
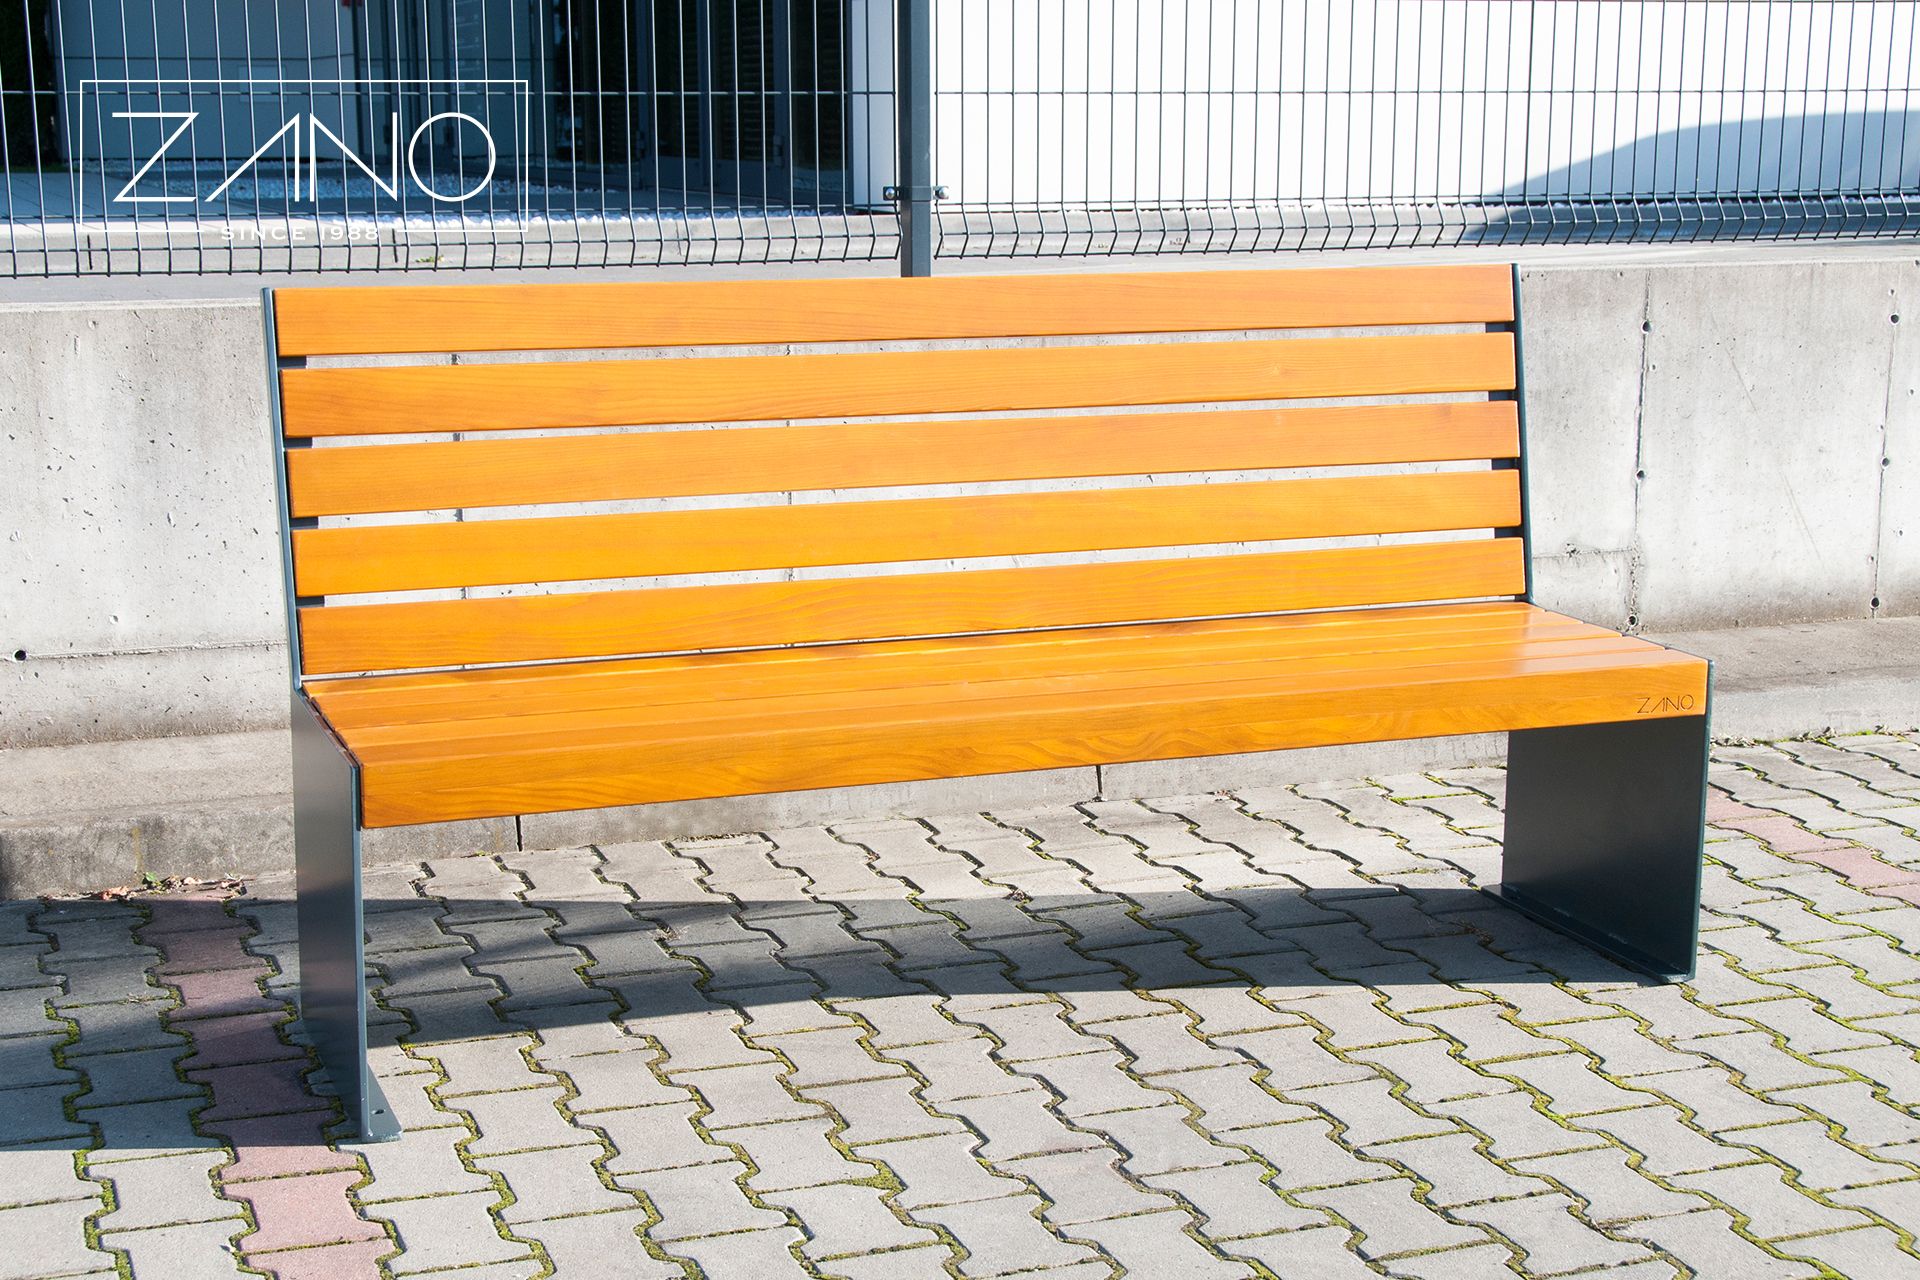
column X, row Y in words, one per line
column 1269, row 1033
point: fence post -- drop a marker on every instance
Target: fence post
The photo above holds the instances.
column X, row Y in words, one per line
column 913, row 127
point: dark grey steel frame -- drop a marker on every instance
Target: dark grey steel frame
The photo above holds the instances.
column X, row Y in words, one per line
column 330, row 908
column 1606, row 823
column 1604, row 830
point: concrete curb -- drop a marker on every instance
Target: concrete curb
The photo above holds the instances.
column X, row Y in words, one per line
column 79, row 818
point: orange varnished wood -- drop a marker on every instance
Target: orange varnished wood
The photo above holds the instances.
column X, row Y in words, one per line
column 407, row 557
column 372, row 637
column 598, row 393
column 610, row 723
column 671, row 464
column 545, row 317
column 432, row 697
column 837, row 681
column 905, row 744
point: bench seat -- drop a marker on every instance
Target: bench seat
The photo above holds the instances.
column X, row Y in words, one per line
column 502, row 741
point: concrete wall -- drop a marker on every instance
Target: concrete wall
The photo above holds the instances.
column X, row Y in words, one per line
column 1711, row 445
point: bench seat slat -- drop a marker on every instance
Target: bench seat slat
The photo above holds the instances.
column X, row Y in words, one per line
column 371, row 478
column 437, row 697
column 768, row 712
column 373, row 637
column 407, row 557
column 995, row 735
column 552, row 317
column 386, row 400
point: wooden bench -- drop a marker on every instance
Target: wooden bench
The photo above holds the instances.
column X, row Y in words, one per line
column 1359, row 574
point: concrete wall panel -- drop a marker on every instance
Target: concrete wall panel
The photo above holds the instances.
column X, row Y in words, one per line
column 139, row 573
column 1898, row 579
column 1583, row 350
column 1760, row 430
column 136, row 510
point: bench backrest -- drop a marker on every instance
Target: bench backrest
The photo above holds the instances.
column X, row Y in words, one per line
column 544, row 503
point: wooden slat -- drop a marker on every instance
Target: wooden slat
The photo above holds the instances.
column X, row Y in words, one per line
column 748, row 717
column 667, row 464
column 599, row 393
column 409, row 557
column 603, row 623
column 344, row 321
column 1033, row 734
column 430, row 697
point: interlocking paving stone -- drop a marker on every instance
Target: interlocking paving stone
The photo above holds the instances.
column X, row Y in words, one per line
column 448, row 1231
column 586, row 1245
column 1004, row 1235
column 1084, row 1186
column 1196, row 1034
column 26, row 1011
column 700, row 1200
column 165, row 1190
column 1151, row 1244
column 763, row 1255
column 420, row 1162
column 1392, row 1219
column 1548, row 1233
column 795, row 1154
column 1613, row 1189
column 188, row 1251
column 524, row 1120
column 552, row 1184
column 49, row 1240
column 843, row 1218
column 1706, row 1242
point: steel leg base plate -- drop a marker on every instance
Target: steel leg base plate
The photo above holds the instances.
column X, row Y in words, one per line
column 1605, row 943
column 377, row 1123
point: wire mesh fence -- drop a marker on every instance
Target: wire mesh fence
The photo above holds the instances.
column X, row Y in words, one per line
column 198, row 136
column 1155, row 126
column 345, row 135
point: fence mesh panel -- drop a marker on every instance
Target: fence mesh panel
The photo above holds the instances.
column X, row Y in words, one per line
column 192, row 136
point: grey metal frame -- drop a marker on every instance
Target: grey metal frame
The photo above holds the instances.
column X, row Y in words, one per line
column 329, row 905
column 1606, row 823
column 1605, row 831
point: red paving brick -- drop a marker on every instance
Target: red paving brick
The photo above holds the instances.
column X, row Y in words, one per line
column 187, row 913
column 243, row 1038
column 1862, row 869
column 309, row 1209
column 222, row 993
column 276, row 1146
column 1783, row 835
column 205, row 949
column 1723, row 809
column 328, row 1262
column 257, row 1089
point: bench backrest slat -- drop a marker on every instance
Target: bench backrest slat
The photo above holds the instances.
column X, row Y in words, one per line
column 666, row 619
column 498, row 471
column 476, row 553
column 558, row 317
column 607, row 393
column 797, row 498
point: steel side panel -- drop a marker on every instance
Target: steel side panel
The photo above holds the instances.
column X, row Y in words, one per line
column 1605, row 835
column 332, row 937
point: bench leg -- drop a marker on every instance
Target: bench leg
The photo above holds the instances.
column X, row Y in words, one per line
column 333, row 975
column 1605, row 824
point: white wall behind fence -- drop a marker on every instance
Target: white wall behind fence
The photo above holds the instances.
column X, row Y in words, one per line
column 1120, row 102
